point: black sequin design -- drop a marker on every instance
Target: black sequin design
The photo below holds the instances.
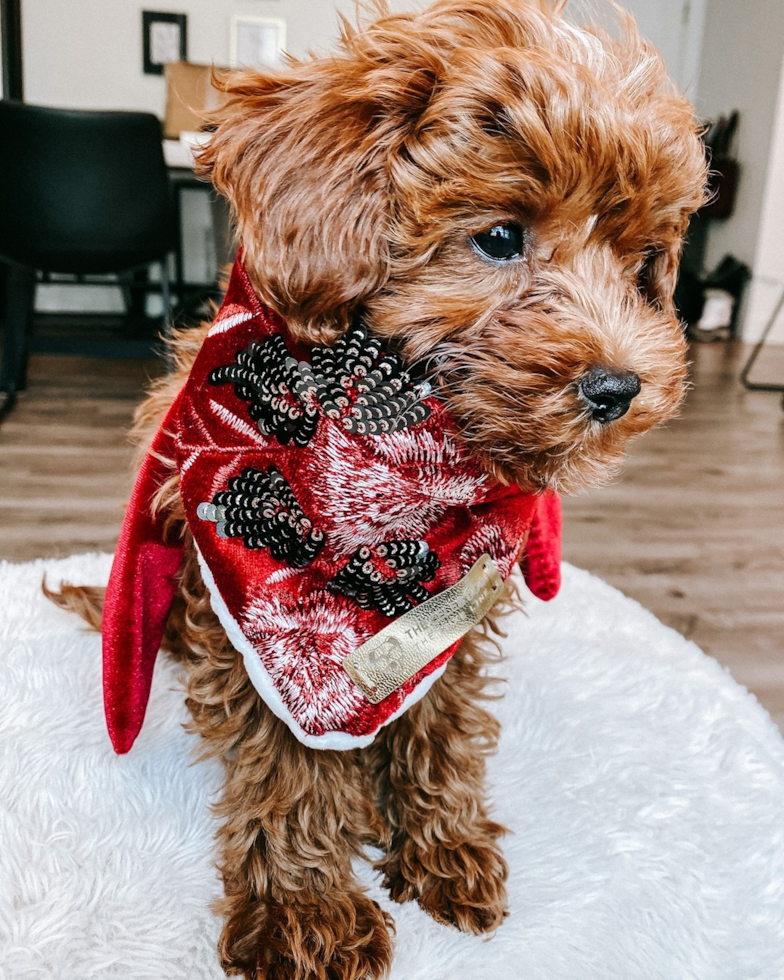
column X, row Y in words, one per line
column 353, row 382
column 388, row 578
column 260, row 507
column 264, row 375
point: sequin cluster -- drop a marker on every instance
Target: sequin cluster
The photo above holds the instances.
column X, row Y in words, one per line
column 365, row 391
column 353, row 383
column 260, row 507
column 265, row 375
column 388, row 577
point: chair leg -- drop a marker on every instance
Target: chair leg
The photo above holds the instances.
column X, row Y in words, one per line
column 745, row 371
column 133, row 285
column 168, row 325
column 20, row 302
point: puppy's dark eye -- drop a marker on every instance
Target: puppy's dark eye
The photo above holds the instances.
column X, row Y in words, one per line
column 502, row 243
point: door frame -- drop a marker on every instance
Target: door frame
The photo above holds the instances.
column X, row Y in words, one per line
column 690, row 54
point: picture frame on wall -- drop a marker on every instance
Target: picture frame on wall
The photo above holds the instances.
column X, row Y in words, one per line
column 256, row 42
column 164, row 39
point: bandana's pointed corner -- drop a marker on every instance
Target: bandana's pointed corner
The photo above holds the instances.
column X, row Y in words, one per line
column 139, row 596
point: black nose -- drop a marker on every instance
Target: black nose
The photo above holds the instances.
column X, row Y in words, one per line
column 609, row 393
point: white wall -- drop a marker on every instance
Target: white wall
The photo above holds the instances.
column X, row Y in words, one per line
column 676, row 28
column 88, row 53
column 742, row 58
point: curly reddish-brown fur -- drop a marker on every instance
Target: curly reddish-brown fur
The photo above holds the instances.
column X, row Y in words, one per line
column 356, row 182
column 357, row 179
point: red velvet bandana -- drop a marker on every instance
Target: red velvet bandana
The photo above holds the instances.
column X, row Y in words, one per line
column 327, row 499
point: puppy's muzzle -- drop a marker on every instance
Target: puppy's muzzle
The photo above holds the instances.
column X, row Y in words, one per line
column 607, row 393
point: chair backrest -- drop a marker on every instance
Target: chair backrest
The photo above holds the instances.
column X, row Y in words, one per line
column 82, row 191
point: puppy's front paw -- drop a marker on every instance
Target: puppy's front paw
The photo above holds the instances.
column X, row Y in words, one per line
column 344, row 938
column 461, row 886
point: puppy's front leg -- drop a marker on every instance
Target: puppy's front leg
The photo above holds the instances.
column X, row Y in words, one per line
column 430, row 769
column 294, row 817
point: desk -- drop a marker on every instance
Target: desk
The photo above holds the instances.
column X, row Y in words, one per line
column 178, row 154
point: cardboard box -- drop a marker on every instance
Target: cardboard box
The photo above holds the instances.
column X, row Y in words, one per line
column 190, row 97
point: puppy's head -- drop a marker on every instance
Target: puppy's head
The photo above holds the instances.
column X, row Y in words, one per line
column 502, row 197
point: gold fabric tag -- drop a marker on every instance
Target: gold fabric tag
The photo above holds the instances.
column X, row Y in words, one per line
column 389, row 658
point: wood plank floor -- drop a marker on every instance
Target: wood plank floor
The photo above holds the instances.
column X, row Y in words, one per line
column 64, row 457
column 693, row 529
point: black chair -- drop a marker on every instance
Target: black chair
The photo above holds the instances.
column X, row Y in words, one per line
column 85, row 193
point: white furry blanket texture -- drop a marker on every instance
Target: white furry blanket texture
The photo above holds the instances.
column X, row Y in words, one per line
column 644, row 790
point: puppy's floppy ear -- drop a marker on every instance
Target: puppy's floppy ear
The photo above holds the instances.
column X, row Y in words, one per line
column 301, row 157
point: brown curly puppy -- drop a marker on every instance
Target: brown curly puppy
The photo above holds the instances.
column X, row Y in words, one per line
column 501, row 197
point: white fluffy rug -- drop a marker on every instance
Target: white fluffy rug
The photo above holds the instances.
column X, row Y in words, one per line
column 644, row 788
